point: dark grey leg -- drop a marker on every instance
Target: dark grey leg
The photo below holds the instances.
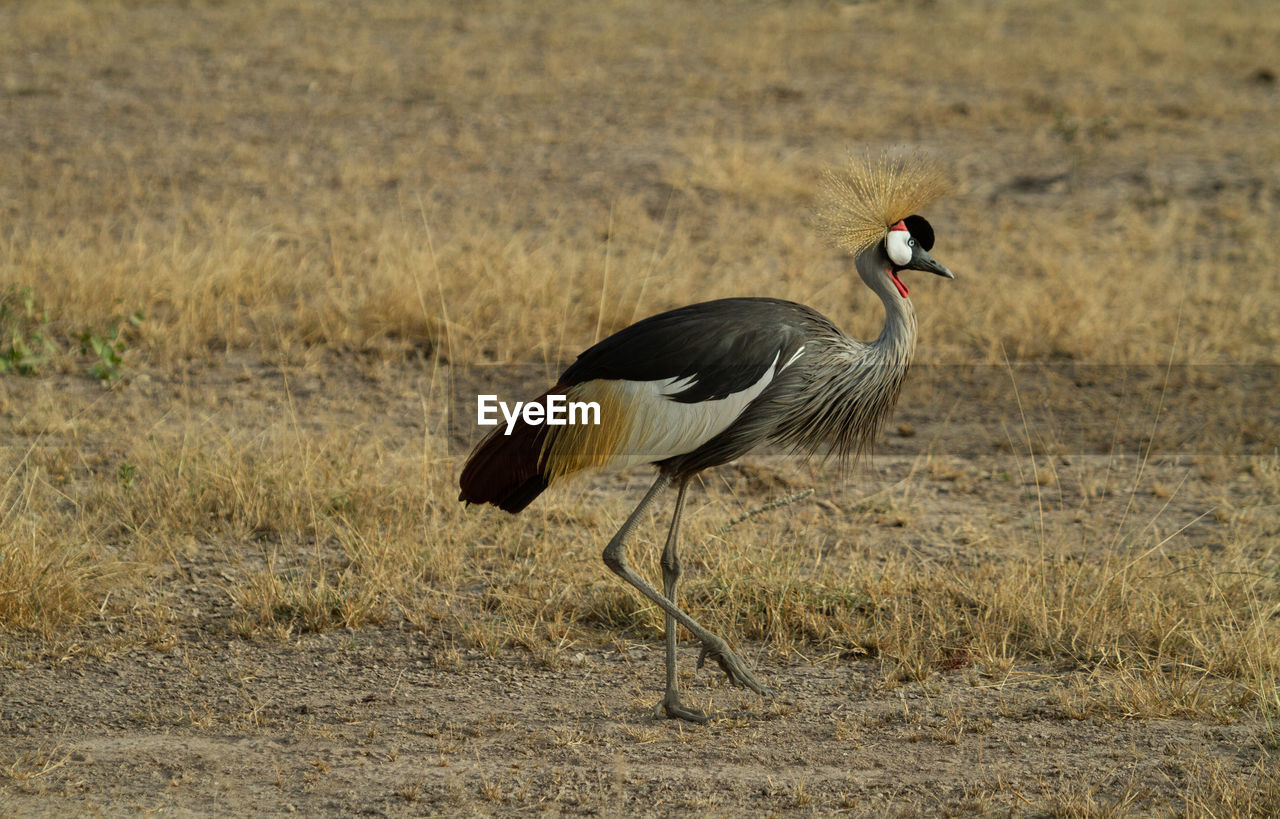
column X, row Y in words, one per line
column 671, row 569
column 712, row 646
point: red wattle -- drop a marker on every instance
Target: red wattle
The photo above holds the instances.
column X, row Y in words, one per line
column 902, row 288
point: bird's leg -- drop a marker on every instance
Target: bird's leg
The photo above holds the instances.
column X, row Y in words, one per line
column 671, row 568
column 712, row 646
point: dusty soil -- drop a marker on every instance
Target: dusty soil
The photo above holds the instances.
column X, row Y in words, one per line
column 392, row 719
column 367, row 723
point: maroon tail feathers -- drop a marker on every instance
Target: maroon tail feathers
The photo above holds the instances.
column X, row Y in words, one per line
column 504, row 469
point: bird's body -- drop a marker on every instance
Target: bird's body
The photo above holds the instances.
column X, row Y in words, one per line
column 701, row 385
column 747, row 371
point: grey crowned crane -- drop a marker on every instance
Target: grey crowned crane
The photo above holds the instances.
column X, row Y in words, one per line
column 701, row 385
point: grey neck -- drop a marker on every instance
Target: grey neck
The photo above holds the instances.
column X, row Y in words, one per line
column 897, row 341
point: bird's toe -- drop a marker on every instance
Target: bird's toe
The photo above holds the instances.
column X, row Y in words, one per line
column 732, row 666
column 672, row 708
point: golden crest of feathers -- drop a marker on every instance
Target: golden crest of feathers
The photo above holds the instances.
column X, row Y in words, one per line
column 870, row 194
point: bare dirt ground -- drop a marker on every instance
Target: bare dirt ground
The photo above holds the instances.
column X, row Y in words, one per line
column 368, row 723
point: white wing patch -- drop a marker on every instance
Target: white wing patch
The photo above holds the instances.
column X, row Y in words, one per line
column 792, row 360
column 672, row 386
column 659, row 427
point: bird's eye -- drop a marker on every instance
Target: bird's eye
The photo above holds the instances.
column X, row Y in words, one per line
column 911, row 243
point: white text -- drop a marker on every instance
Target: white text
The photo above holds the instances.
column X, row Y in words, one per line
column 556, row 412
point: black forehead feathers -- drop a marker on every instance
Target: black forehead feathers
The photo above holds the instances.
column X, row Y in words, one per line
column 920, row 230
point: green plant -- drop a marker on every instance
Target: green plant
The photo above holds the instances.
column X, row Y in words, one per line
column 109, row 347
column 26, row 348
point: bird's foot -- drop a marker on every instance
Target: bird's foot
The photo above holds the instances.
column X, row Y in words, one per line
column 674, row 709
column 734, row 668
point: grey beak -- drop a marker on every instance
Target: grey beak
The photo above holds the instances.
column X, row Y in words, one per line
column 923, row 261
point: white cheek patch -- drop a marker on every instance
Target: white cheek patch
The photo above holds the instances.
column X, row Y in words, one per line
column 898, row 247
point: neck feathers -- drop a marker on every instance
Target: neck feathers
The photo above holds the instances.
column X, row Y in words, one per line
column 849, row 390
column 896, row 344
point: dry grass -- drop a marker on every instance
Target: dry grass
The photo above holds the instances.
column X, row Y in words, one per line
column 395, row 190
column 334, row 187
column 324, row 530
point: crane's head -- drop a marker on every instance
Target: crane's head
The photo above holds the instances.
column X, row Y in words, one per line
column 869, row 207
column 907, row 248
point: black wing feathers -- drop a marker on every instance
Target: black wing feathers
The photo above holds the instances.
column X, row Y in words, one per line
column 725, row 346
